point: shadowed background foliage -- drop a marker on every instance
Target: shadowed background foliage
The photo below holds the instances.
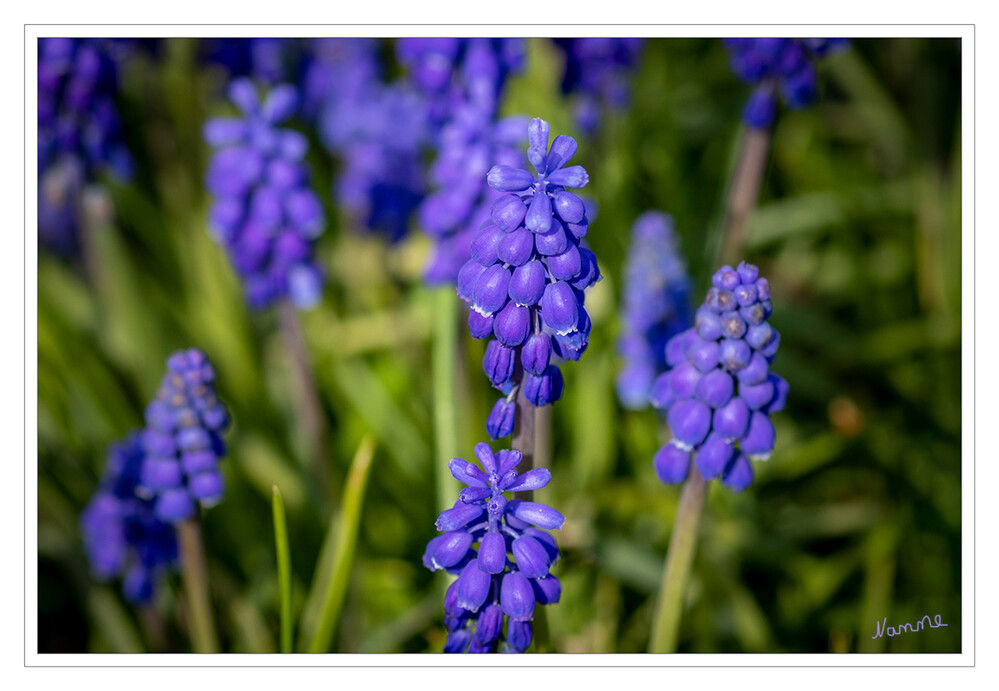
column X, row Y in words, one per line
column 856, row 518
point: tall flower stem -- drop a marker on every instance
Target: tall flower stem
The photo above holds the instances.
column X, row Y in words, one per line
column 543, row 437
column 444, row 361
column 308, row 404
column 523, row 427
column 669, row 607
column 199, row 605
column 153, row 628
column 743, row 191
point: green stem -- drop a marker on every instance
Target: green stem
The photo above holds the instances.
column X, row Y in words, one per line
column 308, row 404
column 283, row 568
column 344, row 531
column 199, row 606
column 443, row 369
column 682, row 543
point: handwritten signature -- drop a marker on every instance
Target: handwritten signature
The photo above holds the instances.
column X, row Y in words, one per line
column 883, row 628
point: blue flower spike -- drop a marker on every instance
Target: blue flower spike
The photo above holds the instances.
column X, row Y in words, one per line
column 656, row 306
column 527, row 274
column 182, row 440
column 501, row 552
column 122, row 534
column 718, row 391
column 264, row 212
column 780, row 68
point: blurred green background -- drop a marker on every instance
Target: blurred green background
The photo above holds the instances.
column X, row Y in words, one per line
column 856, row 518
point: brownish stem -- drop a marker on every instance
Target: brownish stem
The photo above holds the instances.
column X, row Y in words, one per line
column 523, row 430
column 153, row 627
column 199, row 605
column 744, row 191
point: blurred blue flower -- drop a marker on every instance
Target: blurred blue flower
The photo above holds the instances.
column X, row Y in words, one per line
column 470, row 143
column 778, row 66
column 597, row 71
column 121, row 532
column 527, row 273
column 656, row 305
column 183, row 439
column 79, row 132
column 268, row 60
column 264, row 212
column 501, row 552
column 379, row 134
column 719, row 392
column 453, row 72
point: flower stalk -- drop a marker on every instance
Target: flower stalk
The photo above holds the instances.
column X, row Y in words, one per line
column 307, row 401
column 192, row 559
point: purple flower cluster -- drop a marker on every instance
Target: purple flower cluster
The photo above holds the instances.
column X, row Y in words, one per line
column 379, row 135
column 656, row 305
column 264, row 212
column 500, row 551
column 268, row 60
column 451, row 72
column 597, row 70
column 719, row 392
column 337, row 72
column 79, row 132
column 527, row 274
column 782, row 66
column 376, row 130
column 462, row 80
column 121, row 532
column 470, row 143
column 183, row 439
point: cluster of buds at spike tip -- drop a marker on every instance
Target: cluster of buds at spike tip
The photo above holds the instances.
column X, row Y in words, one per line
column 656, row 305
column 182, row 440
column 121, row 532
column 719, row 391
column 527, row 274
column 501, row 552
column 264, row 212
column 782, row 67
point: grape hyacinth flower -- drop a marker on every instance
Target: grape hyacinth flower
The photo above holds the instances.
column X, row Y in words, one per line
column 379, row 135
column 597, row 71
column 719, row 391
column 784, row 66
column 268, row 60
column 527, row 274
column 183, row 439
column 337, row 72
column 264, row 212
column 656, row 305
column 470, row 143
column 121, row 532
column 80, row 134
column 451, row 72
column 501, row 552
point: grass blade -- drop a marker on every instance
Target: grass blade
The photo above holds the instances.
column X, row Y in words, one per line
column 283, row 568
column 344, row 532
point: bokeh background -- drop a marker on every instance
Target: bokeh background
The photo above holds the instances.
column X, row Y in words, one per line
column 856, row 517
